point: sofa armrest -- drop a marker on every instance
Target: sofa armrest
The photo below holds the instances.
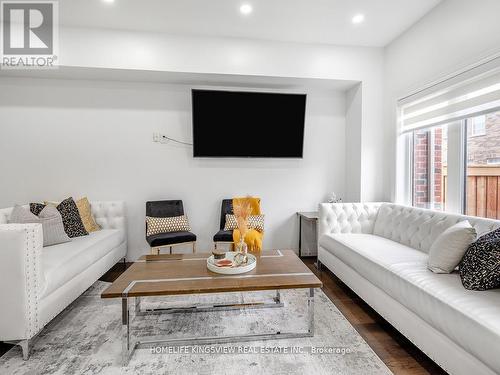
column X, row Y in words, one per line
column 337, row 218
column 20, row 278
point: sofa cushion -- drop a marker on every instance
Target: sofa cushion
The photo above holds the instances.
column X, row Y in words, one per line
column 62, row 262
column 358, row 250
column 172, row 238
column 223, row 236
column 468, row 318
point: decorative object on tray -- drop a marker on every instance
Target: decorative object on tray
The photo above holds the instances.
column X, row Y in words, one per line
column 252, row 237
column 232, row 264
column 218, row 254
column 242, row 210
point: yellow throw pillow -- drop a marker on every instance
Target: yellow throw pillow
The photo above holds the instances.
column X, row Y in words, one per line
column 85, row 212
column 156, row 225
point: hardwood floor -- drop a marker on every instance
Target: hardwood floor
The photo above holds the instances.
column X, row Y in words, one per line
column 398, row 353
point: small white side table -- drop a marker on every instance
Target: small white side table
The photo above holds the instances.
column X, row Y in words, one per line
column 313, row 218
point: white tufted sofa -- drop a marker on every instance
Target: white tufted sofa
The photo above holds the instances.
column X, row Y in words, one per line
column 37, row 283
column 380, row 251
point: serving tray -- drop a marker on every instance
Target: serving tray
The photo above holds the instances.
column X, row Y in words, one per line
column 233, row 270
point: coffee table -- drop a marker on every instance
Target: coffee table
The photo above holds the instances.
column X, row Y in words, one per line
column 168, row 275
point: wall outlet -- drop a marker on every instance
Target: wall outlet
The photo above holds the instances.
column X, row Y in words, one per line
column 160, row 138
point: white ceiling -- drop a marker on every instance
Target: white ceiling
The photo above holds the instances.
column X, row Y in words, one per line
column 308, row 21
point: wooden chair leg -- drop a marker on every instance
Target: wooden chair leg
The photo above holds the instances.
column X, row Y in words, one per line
column 194, row 247
column 170, row 249
column 215, row 245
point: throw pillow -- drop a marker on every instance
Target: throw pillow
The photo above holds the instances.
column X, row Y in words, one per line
column 36, row 208
column 51, row 220
column 254, row 222
column 85, row 211
column 156, row 225
column 480, row 267
column 52, row 226
column 73, row 225
column 21, row 215
column 449, row 248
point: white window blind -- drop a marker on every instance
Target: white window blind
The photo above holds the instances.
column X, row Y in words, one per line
column 466, row 95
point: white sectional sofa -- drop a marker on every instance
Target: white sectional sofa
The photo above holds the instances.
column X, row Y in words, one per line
column 37, row 283
column 380, row 251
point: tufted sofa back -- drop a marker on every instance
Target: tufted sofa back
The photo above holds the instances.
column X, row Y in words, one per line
column 108, row 214
column 336, row 218
column 418, row 227
column 410, row 226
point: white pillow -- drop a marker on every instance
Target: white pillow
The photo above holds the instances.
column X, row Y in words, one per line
column 449, row 248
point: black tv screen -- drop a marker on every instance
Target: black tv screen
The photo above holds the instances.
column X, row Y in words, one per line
column 248, row 124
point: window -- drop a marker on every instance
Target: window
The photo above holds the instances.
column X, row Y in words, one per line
column 429, row 168
column 476, row 177
column 483, row 168
column 449, row 144
column 477, row 126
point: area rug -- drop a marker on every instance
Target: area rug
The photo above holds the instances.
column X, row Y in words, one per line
column 85, row 339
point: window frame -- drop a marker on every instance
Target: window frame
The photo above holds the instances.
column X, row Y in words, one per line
column 455, row 199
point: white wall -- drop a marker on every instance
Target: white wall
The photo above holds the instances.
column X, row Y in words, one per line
column 70, row 137
column 145, row 51
column 454, row 35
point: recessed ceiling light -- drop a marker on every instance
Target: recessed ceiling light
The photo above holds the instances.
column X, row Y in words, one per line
column 246, row 9
column 108, row 1
column 358, row 18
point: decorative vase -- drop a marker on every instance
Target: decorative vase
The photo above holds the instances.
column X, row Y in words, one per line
column 241, row 249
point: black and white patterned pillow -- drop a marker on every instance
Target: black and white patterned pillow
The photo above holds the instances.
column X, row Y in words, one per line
column 156, row 225
column 36, row 208
column 254, row 222
column 480, row 266
column 73, row 225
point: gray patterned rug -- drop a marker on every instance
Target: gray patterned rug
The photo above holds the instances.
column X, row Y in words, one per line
column 85, row 339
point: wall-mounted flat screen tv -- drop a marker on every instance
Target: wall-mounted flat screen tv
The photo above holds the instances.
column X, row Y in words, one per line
column 248, row 124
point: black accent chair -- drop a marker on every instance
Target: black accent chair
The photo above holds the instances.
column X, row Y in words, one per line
column 224, row 236
column 167, row 209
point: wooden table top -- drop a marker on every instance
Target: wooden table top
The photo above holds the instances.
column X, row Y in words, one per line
column 159, row 275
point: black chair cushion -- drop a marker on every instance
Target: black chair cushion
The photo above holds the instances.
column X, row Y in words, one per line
column 172, row 238
column 224, row 236
column 164, row 208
